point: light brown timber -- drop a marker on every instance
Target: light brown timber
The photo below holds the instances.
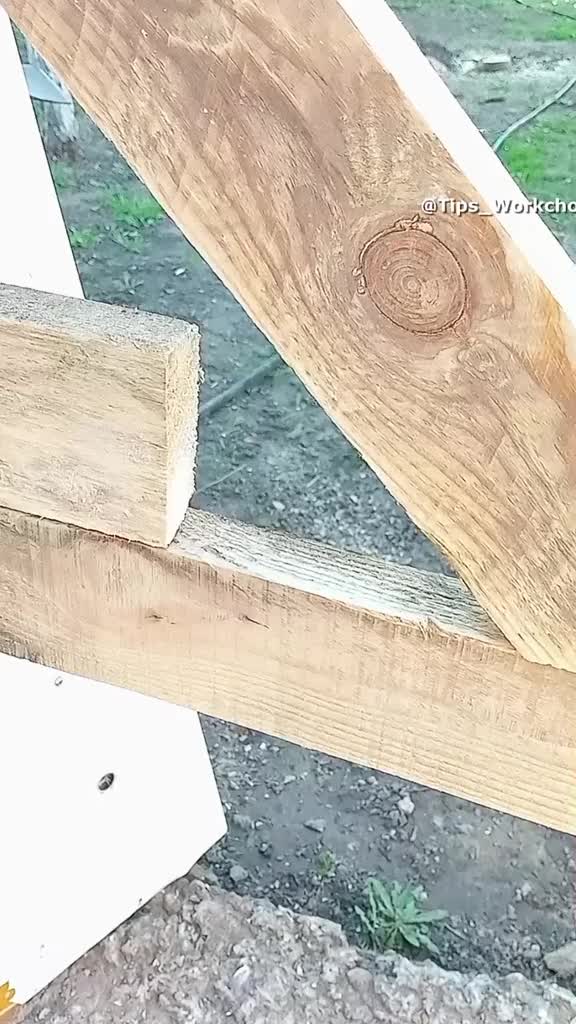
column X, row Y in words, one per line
column 295, row 147
column 382, row 665
column 98, row 409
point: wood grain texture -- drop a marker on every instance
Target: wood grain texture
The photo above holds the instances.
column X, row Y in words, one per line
column 98, row 409
column 295, row 149
column 383, row 665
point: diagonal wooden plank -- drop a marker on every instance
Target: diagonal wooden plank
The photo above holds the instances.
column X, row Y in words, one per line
column 382, row 665
column 98, row 409
column 295, row 148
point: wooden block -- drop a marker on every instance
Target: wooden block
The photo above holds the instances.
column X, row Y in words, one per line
column 295, row 143
column 98, row 410
column 382, row 665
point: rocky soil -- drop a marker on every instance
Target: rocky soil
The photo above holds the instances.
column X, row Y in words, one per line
column 198, row 955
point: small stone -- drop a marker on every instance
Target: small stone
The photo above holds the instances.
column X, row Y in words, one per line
column 406, row 805
column 533, row 953
column 112, row 951
column 242, row 821
column 495, row 62
column 315, row 825
column 360, row 979
column 238, row 873
column 203, row 873
column 188, row 911
column 279, row 505
column 240, row 979
column 562, row 961
column 523, row 892
column 463, row 827
column 171, row 902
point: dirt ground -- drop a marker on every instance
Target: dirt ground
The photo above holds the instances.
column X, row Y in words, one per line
column 272, row 457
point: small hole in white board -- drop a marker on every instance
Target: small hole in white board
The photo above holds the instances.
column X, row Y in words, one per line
column 106, row 782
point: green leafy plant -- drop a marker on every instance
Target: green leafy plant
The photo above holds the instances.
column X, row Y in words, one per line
column 84, row 238
column 326, row 867
column 134, row 210
column 394, row 918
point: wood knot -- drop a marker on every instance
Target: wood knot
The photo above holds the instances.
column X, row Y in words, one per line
column 413, row 278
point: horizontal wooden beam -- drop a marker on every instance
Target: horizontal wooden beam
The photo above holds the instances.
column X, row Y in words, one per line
column 295, row 144
column 382, row 665
column 98, row 410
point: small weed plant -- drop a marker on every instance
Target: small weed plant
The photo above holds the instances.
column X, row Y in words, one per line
column 394, row 917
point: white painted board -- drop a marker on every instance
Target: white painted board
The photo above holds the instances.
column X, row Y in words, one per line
column 34, row 247
column 75, row 860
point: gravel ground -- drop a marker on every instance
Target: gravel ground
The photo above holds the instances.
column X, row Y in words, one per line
column 197, row 955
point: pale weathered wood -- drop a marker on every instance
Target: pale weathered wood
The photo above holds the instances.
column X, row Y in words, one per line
column 98, row 408
column 385, row 666
column 294, row 148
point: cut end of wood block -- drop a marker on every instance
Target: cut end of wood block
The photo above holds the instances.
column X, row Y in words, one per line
column 99, row 414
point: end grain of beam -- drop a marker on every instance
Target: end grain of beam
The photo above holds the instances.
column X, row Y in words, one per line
column 98, row 412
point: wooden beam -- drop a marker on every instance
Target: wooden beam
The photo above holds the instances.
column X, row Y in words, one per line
column 383, row 665
column 294, row 143
column 98, row 411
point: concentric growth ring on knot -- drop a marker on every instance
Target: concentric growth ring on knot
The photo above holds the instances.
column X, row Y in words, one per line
column 413, row 278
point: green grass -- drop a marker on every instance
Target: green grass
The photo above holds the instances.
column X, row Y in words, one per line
column 62, row 175
column 526, row 161
column 394, row 917
column 134, row 210
column 515, row 21
column 567, row 7
column 84, row 238
column 562, row 31
column 542, row 158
